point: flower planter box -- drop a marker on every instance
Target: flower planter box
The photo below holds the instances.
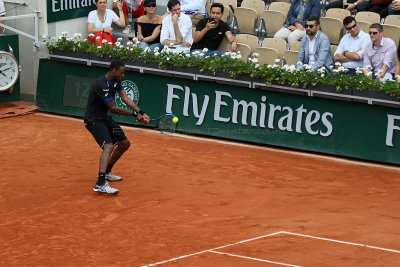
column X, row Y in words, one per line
column 77, row 57
column 229, row 80
column 376, row 98
column 185, row 72
column 152, row 67
column 330, row 92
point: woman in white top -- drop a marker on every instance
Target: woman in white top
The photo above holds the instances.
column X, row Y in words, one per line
column 100, row 20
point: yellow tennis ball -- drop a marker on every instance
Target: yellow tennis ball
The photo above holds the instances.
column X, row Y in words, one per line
column 175, row 120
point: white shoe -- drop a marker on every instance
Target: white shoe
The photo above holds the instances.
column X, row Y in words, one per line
column 106, row 188
column 113, row 178
column 127, row 29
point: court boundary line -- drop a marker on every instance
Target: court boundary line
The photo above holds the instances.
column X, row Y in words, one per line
column 342, row 242
column 309, row 154
column 254, row 259
column 211, row 250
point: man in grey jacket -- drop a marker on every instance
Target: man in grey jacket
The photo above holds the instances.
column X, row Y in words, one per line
column 315, row 49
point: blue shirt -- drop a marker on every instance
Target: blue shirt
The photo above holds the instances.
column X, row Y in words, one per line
column 350, row 44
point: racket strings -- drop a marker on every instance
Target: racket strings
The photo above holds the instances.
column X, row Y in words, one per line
column 165, row 124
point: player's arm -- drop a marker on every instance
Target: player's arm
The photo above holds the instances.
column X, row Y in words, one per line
column 140, row 115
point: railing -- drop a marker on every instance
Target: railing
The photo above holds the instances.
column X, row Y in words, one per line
column 36, row 15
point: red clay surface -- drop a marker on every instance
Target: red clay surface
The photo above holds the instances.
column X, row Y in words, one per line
column 181, row 196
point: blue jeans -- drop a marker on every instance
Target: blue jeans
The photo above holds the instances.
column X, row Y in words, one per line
column 210, row 53
column 143, row 45
column 393, row 12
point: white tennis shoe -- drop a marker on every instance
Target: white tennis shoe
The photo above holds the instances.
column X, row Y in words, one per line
column 105, row 188
column 113, row 178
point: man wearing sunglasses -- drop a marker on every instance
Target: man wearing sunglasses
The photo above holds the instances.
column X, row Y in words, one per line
column 350, row 51
column 380, row 54
column 315, row 49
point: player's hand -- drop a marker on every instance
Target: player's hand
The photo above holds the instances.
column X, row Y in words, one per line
column 143, row 118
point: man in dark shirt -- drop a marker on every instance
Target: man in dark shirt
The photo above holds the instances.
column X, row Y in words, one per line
column 210, row 32
column 104, row 129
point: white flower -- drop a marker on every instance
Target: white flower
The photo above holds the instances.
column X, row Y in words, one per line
column 109, row 43
column 369, row 74
column 117, row 43
column 99, row 47
column 98, row 38
column 171, row 44
column 205, row 50
column 254, row 60
column 299, row 64
column 129, row 43
column 227, row 53
column 277, row 60
column 168, row 58
column 91, row 34
column 119, row 39
column 338, row 64
column 369, row 67
column 64, row 33
column 187, row 55
column 215, row 54
column 201, row 54
column 207, row 56
column 156, row 49
column 156, row 53
column 256, row 54
column 104, row 41
column 147, row 49
column 257, row 65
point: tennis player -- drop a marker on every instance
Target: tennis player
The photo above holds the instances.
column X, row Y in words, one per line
column 107, row 133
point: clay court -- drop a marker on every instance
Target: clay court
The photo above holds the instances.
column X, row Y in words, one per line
column 188, row 202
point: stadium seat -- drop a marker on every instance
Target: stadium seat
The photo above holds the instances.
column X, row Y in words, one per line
column 271, row 22
column 248, row 39
column 258, row 5
column 368, row 16
column 290, row 57
column 295, row 46
column 224, row 45
column 333, row 49
column 364, row 26
column 392, row 20
column 392, row 32
column 233, row 3
column 338, row 13
column 245, row 20
column 280, row 6
column 278, row 44
column 333, row 28
column 267, row 55
column 244, row 51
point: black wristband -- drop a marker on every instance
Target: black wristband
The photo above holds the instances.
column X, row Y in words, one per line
column 141, row 112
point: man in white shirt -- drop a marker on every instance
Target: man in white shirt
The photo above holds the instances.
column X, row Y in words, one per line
column 195, row 9
column 350, row 52
column 2, row 14
column 176, row 28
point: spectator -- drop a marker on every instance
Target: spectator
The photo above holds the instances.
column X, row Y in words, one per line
column 99, row 22
column 359, row 5
column 350, row 51
column 397, row 72
column 394, row 8
column 2, row 14
column 176, row 28
column 132, row 9
column 210, row 32
column 195, row 9
column 149, row 27
column 299, row 12
column 315, row 49
column 380, row 54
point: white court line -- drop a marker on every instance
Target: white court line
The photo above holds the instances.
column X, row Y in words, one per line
column 210, row 250
column 343, row 242
column 254, row 259
column 309, row 154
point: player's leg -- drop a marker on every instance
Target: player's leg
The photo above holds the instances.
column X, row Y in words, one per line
column 123, row 144
column 102, row 136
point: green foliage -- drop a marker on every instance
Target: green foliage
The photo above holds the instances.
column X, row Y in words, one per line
column 231, row 62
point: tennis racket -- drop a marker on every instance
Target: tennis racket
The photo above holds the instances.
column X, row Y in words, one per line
column 166, row 123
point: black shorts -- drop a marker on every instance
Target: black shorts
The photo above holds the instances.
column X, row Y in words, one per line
column 105, row 131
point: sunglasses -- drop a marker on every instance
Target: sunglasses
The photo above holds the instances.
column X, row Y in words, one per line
column 309, row 26
column 151, row 5
column 351, row 27
column 373, row 33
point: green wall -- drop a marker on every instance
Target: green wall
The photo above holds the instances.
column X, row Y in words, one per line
column 341, row 128
column 12, row 40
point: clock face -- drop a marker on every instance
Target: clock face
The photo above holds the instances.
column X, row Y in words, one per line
column 8, row 71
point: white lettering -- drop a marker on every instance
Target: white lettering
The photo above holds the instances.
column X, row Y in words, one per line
column 203, row 109
column 390, row 129
column 288, row 118
column 171, row 96
column 299, row 118
column 263, row 111
column 218, row 104
column 186, row 102
column 245, row 107
column 53, row 6
column 271, row 116
column 327, row 123
column 310, row 121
